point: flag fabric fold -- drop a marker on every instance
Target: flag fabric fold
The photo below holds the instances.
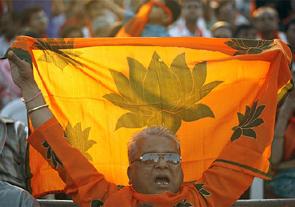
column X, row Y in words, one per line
column 218, row 95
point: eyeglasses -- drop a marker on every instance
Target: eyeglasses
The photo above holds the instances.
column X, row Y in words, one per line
column 153, row 158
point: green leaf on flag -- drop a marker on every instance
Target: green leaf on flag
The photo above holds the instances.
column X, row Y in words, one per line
column 248, row 121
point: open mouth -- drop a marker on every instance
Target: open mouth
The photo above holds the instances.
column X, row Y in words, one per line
column 162, row 180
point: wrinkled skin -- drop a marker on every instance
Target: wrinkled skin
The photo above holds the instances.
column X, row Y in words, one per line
column 144, row 177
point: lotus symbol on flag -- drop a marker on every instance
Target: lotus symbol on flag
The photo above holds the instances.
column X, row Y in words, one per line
column 248, row 121
column 161, row 95
column 244, row 46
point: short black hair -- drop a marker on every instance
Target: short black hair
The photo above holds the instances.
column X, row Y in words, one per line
column 174, row 7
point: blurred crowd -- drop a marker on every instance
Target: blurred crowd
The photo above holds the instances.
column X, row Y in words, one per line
column 250, row 19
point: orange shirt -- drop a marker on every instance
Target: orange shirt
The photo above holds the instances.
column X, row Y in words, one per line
column 219, row 186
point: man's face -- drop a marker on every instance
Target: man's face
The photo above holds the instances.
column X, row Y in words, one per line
column 192, row 9
column 159, row 177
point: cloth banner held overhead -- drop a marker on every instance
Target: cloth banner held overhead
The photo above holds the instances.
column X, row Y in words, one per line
column 210, row 92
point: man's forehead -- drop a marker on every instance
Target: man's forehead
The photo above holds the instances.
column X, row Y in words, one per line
column 156, row 144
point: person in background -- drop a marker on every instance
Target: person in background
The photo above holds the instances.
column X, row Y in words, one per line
column 9, row 28
column 13, row 165
column 246, row 31
column 191, row 22
column 221, row 30
column 283, row 148
column 122, row 12
column 209, row 13
column 152, row 19
column 227, row 11
column 35, row 22
column 101, row 17
column 76, row 15
column 104, row 15
column 266, row 21
column 8, row 90
column 57, row 18
column 15, row 110
column 13, row 196
column 283, row 152
column 50, row 7
column 71, row 32
column 159, row 20
column 103, row 26
column 102, row 8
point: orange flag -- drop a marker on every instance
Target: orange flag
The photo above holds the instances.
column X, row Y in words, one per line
column 218, row 95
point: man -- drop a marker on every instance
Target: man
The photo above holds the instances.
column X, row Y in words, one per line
column 266, row 21
column 155, row 171
column 283, row 151
column 191, row 22
column 226, row 10
column 13, row 176
column 283, row 148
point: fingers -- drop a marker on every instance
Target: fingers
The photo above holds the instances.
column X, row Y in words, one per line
column 14, row 59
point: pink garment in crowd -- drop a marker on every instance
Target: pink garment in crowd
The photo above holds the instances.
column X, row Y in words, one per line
column 8, row 90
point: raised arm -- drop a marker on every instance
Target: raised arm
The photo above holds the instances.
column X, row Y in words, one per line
column 22, row 75
column 83, row 182
column 221, row 186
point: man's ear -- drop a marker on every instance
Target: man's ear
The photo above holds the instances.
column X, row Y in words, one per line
column 129, row 174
